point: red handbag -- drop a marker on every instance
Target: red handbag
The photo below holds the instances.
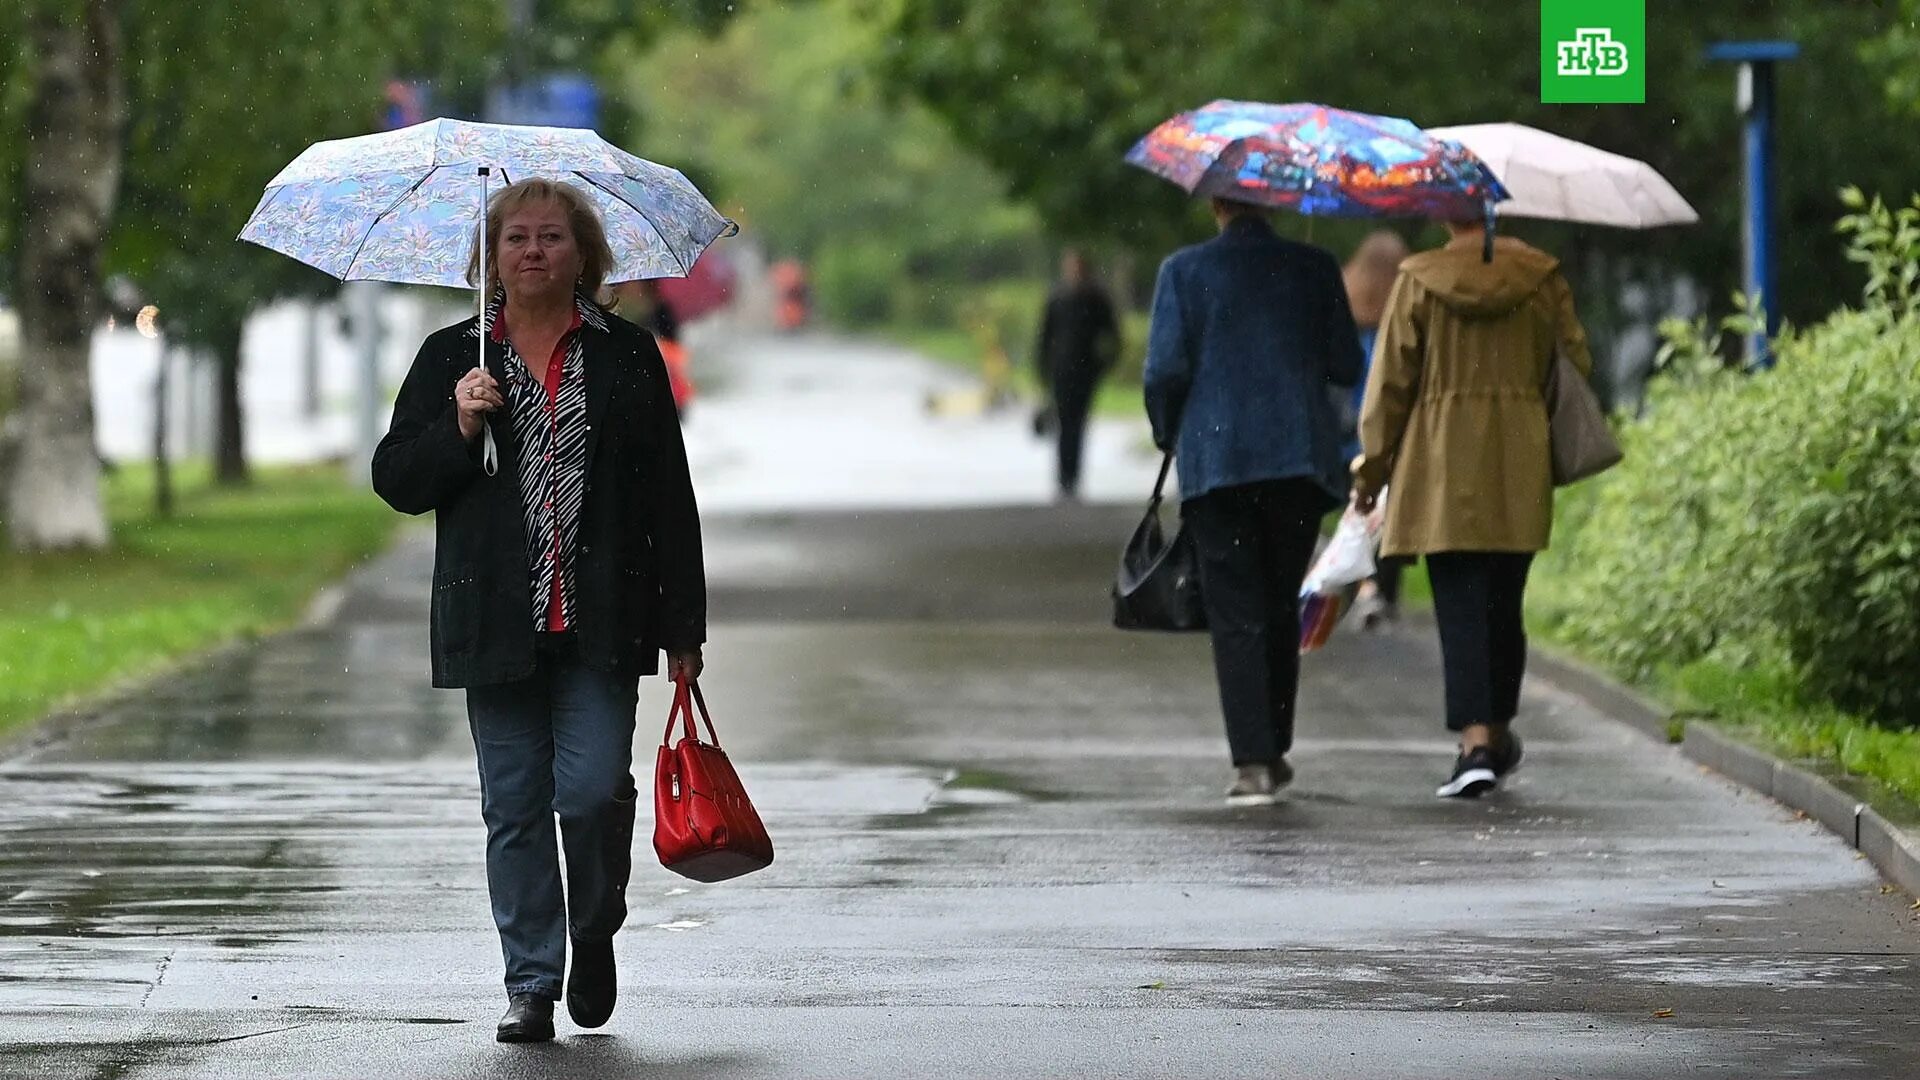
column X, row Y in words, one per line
column 704, row 826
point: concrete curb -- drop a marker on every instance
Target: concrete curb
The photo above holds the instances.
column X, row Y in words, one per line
column 1894, row 851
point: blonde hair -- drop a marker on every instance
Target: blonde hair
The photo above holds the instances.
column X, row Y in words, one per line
column 589, row 234
column 1369, row 275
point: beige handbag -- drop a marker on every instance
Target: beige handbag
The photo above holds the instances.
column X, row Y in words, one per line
column 1583, row 444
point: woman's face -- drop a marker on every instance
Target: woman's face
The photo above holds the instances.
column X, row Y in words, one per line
column 538, row 257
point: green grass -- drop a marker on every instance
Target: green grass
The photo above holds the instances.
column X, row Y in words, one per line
column 230, row 564
column 1763, row 707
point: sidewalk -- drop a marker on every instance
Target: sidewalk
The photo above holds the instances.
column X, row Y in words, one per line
column 1003, row 853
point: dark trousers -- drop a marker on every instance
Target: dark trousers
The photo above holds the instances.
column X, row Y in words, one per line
column 1478, row 600
column 1072, row 401
column 1255, row 542
column 559, row 742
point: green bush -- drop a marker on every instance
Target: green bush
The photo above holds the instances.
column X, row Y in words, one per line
column 1771, row 519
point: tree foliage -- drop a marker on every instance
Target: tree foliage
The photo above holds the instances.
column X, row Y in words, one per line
column 1052, row 95
column 1895, row 56
column 224, row 95
column 781, row 118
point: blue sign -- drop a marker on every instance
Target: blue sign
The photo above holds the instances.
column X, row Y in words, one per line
column 566, row 99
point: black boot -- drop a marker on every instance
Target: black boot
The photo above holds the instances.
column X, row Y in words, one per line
column 592, row 985
column 529, row 1018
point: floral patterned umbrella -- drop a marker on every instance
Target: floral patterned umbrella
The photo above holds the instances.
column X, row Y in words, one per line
column 1318, row 160
column 403, row 206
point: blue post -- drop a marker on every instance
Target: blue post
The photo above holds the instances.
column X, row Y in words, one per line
column 1760, row 277
column 1755, row 102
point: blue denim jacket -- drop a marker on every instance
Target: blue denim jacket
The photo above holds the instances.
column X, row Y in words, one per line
column 1250, row 331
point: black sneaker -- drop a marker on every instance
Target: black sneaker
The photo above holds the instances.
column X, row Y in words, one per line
column 1506, row 755
column 1474, row 775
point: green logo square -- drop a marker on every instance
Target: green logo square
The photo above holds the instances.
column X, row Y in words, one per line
column 1593, row 51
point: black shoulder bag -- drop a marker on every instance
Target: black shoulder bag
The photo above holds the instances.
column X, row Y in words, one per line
column 1158, row 585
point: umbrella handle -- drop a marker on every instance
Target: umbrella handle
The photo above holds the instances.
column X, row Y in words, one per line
column 489, row 452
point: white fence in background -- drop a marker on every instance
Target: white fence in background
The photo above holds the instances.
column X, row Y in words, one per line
column 301, row 381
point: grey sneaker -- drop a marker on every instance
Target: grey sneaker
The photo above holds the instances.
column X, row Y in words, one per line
column 1252, row 786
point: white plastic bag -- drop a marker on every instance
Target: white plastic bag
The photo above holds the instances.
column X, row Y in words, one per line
column 1348, row 558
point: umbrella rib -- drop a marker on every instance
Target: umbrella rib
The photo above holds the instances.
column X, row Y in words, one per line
column 684, row 269
column 382, row 216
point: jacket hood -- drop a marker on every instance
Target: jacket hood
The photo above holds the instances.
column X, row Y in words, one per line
column 1471, row 287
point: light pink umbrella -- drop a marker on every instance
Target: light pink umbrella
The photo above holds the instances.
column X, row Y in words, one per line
column 1559, row 179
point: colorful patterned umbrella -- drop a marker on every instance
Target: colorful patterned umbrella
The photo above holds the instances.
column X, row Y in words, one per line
column 1317, row 160
column 403, row 206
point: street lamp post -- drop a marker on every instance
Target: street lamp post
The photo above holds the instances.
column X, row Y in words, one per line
column 1754, row 99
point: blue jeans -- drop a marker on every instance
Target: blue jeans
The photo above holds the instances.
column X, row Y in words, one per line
column 557, row 743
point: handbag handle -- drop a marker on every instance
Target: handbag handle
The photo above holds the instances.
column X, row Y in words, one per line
column 1160, row 482
column 685, row 696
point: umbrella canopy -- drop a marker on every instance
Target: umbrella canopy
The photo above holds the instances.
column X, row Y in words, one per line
column 402, row 206
column 1317, row 160
column 1559, row 179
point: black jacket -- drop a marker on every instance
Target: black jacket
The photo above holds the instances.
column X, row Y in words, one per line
column 1079, row 335
column 640, row 577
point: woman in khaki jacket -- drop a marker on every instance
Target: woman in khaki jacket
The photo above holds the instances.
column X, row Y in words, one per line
column 1455, row 429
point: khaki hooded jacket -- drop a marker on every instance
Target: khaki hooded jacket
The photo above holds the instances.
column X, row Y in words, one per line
column 1454, row 423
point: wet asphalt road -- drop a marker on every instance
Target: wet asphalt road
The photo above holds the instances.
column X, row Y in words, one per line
column 1002, row 853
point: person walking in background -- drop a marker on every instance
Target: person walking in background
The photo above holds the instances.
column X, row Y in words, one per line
column 557, row 580
column 1455, row 428
column 1249, row 333
column 1079, row 342
column 1369, row 277
column 643, row 304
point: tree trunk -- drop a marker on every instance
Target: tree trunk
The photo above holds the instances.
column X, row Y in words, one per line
column 70, row 178
column 230, row 446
